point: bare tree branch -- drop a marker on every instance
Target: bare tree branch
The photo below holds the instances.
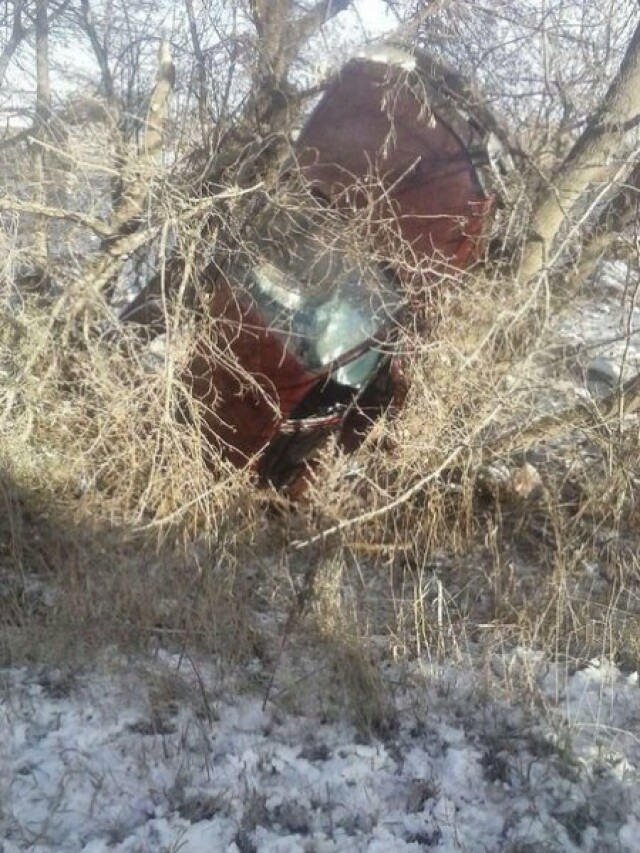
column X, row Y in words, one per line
column 18, row 34
column 88, row 25
column 620, row 402
column 136, row 174
column 202, row 94
column 107, row 266
column 307, row 25
column 10, row 204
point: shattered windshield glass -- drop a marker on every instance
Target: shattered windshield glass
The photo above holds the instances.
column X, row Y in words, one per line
column 324, row 306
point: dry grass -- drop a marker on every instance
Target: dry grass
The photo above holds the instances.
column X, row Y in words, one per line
column 422, row 543
column 456, row 550
column 107, row 507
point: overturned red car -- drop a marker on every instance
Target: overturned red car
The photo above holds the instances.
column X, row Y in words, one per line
column 399, row 181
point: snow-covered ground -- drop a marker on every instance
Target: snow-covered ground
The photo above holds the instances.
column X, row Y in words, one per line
column 170, row 757
column 604, row 323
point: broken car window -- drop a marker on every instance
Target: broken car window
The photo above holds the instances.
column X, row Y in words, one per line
column 325, row 308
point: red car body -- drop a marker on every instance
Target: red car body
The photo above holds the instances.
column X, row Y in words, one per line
column 383, row 144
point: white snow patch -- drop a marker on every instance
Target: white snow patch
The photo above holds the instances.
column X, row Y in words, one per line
column 88, row 767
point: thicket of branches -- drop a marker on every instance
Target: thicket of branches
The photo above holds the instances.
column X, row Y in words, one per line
column 142, row 141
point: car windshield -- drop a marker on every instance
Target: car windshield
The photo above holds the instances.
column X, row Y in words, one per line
column 323, row 305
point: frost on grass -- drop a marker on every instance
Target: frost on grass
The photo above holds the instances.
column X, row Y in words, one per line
column 102, row 759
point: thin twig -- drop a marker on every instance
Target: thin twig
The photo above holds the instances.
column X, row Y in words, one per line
column 406, row 495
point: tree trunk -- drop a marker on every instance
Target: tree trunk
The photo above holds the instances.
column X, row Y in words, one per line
column 42, row 117
column 592, row 160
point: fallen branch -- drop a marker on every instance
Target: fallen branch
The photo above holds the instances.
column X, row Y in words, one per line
column 619, row 403
column 10, row 204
